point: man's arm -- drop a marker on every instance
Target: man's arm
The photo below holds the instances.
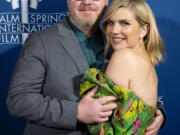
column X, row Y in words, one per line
column 159, row 121
column 25, row 98
column 161, row 108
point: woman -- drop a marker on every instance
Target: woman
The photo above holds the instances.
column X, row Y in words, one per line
column 133, row 37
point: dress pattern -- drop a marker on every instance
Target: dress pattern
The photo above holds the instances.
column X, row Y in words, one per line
column 131, row 117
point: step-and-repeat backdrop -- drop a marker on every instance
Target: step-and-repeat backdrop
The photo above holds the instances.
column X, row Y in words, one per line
column 20, row 18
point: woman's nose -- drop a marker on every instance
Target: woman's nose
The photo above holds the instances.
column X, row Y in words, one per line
column 116, row 29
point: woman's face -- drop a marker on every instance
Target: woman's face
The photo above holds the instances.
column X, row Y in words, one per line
column 123, row 31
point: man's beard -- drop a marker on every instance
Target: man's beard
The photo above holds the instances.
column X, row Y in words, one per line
column 91, row 20
column 87, row 23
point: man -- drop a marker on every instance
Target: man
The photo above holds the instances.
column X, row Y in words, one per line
column 45, row 85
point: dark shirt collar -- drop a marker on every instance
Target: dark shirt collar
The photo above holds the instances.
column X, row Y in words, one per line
column 80, row 35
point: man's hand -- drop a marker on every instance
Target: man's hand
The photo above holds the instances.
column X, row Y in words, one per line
column 92, row 110
column 155, row 126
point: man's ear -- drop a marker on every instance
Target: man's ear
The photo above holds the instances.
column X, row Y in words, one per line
column 144, row 30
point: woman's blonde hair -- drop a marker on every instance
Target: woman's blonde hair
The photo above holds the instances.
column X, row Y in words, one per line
column 144, row 15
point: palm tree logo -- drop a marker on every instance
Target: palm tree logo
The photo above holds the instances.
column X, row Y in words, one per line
column 24, row 11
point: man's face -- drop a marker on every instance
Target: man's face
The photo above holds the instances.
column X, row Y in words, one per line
column 85, row 13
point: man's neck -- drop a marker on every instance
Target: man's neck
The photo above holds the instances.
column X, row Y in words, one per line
column 89, row 31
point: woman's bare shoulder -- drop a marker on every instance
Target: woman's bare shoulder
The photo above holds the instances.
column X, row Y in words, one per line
column 121, row 66
column 129, row 62
column 132, row 69
column 126, row 57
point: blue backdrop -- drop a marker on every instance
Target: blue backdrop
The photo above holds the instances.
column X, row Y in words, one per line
column 23, row 17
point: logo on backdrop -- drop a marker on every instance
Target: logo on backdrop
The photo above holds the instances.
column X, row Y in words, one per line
column 160, row 99
column 16, row 26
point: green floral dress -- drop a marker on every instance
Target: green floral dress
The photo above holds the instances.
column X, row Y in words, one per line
column 130, row 118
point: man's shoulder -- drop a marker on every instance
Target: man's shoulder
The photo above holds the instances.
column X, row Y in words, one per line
column 52, row 30
column 47, row 32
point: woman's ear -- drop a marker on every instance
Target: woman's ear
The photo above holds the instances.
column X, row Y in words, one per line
column 144, row 30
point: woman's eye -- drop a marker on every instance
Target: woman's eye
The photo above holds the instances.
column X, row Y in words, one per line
column 110, row 23
column 124, row 23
